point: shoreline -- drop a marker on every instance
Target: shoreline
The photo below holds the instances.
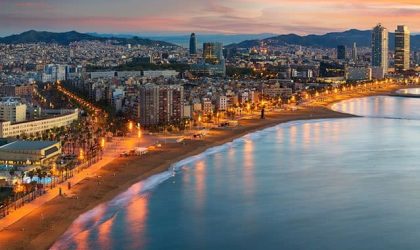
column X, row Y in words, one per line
column 41, row 228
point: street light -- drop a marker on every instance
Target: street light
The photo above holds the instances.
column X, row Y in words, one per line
column 81, row 155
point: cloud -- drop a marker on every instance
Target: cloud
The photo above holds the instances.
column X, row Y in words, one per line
column 213, row 16
column 37, row 5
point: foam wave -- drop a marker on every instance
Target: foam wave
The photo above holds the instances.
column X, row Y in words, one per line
column 96, row 216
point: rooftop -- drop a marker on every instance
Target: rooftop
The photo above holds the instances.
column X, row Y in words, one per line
column 10, row 100
column 27, row 145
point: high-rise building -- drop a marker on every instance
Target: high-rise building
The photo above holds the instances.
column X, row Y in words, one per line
column 213, row 63
column 55, row 72
column 402, row 48
column 149, row 104
column 171, row 104
column 160, row 105
column 380, row 47
column 213, row 52
column 193, row 44
column 354, row 53
column 341, row 52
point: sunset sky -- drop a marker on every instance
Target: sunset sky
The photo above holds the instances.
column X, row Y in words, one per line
column 206, row 16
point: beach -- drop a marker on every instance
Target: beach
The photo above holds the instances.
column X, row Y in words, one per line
column 42, row 227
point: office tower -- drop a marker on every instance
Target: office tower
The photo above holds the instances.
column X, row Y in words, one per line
column 341, row 52
column 402, row 48
column 193, row 44
column 213, row 52
column 380, row 47
column 354, row 53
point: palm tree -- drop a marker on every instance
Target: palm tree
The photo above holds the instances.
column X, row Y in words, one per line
column 12, row 173
column 31, row 174
column 51, row 173
column 22, row 175
column 39, row 174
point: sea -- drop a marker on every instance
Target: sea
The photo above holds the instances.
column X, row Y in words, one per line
column 348, row 183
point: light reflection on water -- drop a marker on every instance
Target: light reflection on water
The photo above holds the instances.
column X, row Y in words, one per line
column 327, row 184
column 411, row 91
column 382, row 107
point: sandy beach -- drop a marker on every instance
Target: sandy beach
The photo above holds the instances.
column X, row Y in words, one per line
column 43, row 226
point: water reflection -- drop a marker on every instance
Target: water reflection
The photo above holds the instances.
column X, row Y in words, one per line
column 328, row 184
column 104, row 235
column 381, row 107
column 136, row 215
column 411, row 91
column 249, row 185
column 200, row 183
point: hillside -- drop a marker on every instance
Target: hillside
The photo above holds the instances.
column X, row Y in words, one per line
column 329, row 40
column 66, row 38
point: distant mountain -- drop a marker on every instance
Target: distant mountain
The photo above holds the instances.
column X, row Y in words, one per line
column 66, row 38
column 184, row 39
column 329, row 40
column 105, row 35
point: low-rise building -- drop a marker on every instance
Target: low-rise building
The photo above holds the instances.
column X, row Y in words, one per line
column 359, row 73
column 29, row 152
column 207, row 106
column 9, row 129
column 222, row 102
column 12, row 109
column 21, row 90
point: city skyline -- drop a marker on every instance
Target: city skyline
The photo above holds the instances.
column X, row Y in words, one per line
column 204, row 16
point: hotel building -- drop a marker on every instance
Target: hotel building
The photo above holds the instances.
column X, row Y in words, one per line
column 380, row 47
column 402, row 48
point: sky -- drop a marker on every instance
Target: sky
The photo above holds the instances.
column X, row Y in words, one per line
column 206, row 16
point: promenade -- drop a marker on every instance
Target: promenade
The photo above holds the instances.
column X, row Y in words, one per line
column 111, row 151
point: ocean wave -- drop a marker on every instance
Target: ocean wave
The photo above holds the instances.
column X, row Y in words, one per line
column 108, row 210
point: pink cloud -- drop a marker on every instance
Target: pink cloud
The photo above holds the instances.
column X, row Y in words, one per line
column 227, row 16
column 31, row 5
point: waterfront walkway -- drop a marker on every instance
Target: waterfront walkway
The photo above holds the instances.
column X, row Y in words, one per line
column 111, row 152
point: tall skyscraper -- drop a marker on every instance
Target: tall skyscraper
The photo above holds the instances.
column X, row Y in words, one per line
column 213, row 52
column 380, row 47
column 402, row 48
column 354, row 53
column 341, row 52
column 193, row 44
